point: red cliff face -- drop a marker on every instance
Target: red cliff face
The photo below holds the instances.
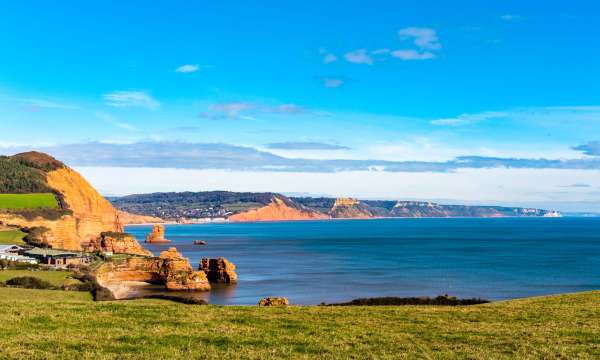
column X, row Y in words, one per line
column 277, row 210
column 90, row 213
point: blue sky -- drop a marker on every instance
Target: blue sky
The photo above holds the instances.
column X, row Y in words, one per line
column 255, row 81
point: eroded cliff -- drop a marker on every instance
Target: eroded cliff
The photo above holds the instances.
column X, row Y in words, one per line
column 278, row 210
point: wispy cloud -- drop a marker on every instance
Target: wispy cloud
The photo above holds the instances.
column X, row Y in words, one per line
column 305, row 145
column 360, row 56
column 592, row 148
column 232, row 157
column 424, row 38
column 412, row 55
column 124, row 99
column 328, row 57
column 188, row 68
column 249, row 110
column 114, row 121
column 510, row 17
column 576, row 186
column 469, row 119
column 332, row 82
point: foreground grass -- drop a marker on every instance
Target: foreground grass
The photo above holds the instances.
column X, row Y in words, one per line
column 10, row 237
column 56, row 324
column 56, row 278
column 28, row 201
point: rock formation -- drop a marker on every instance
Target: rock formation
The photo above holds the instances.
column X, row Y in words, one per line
column 178, row 274
column 218, row 270
column 278, row 210
column 118, row 243
column 127, row 218
column 273, row 301
column 170, row 269
column 84, row 213
column 157, row 236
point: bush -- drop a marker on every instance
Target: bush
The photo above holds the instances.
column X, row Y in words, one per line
column 30, row 282
column 440, row 300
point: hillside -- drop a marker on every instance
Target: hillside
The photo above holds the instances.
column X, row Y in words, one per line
column 270, row 206
column 42, row 196
column 57, row 324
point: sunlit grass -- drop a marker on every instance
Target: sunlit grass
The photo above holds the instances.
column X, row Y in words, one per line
column 56, row 324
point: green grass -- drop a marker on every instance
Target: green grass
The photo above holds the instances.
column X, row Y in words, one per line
column 38, row 324
column 8, row 237
column 56, row 278
column 27, row 201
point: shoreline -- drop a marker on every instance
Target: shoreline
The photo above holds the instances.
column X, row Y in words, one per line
column 345, row 219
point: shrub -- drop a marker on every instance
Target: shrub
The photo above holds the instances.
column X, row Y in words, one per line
column 30, row 282
column 440, row 300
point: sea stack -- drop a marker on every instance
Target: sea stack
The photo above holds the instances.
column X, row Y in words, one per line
column 218, row 270
column 157, row 236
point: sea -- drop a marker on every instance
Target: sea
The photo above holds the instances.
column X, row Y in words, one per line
column 313, row 262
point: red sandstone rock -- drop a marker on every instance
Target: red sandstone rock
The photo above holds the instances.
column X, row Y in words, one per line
column 118, row 243
column 170, row 268
column 157, row 236
column 218, row 270
column 273, row 301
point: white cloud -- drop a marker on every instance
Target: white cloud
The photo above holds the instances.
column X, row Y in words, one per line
column 332, row 82
column 359, row 56
column 188, row 68
column 123, row 99
column 329, row 58
column 424, row 38
column 469, row 119
column 412, row 55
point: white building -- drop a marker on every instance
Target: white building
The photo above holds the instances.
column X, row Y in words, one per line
column 11, row 253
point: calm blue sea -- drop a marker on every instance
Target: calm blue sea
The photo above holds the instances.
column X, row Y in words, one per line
column 330, row 261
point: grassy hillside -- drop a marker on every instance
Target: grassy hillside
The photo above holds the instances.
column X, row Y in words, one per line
column 56, row 278
column 48, row 324
column 28, row 201
column 11, row 237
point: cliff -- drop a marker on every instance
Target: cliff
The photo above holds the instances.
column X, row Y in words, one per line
column 127, row 218
column 347, row 208
column 83, row 214
column 278, row 210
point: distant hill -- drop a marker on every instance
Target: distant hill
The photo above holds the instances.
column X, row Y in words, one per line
column 247, row 206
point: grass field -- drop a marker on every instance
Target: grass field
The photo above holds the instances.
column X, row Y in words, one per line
column 55, row 324
column 27, row 201
column 56, row 278
column 11, row 237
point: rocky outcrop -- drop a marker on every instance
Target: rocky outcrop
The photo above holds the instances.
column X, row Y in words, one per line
column 170, row 269
column 274, row 301
column 157, row 236
column 118, row 243
column 127, row 218
column 218, row 270
column 347, row 208
column 278, row 210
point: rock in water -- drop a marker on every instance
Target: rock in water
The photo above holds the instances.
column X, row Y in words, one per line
column 218, row 270
column 178, row 273
column 274, row 301
column 157, row 236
